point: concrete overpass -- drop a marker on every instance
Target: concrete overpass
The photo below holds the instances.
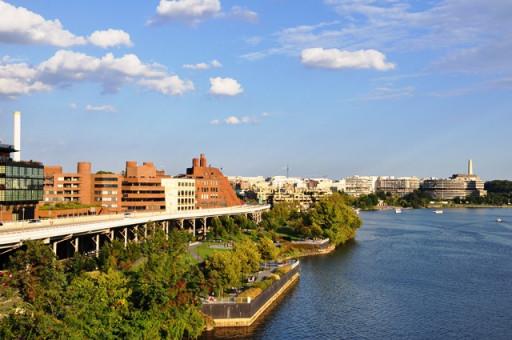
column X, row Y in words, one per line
column 88, row 234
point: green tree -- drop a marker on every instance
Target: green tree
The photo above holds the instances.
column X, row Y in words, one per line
column 268, row 249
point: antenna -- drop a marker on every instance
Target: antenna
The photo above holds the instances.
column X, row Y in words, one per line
column 287, row 171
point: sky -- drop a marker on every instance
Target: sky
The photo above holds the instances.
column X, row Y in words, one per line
column 330, row 88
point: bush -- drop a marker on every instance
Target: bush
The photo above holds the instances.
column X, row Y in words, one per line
column 251, row 292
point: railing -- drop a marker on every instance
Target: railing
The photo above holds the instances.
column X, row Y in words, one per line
column 234, row 308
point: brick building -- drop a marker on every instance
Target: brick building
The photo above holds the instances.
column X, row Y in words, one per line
column 142, row 189
column 61, row 187
column 213, row 189
column 102, row 191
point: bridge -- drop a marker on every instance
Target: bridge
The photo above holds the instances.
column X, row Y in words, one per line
column 88, row 234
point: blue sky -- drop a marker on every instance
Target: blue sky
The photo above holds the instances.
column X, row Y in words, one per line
column 332, row 88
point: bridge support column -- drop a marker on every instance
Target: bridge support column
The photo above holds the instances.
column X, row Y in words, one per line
column 205, row 227
column 135, row 232
column 194, row 227
column 74, row 242
column 145, row 231
column 96, row 241
column 124, row 233
column 54, row 247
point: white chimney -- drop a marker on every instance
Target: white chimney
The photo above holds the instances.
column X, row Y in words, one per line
column 470, row 167
column 17, row 136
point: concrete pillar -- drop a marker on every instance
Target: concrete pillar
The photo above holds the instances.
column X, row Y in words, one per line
column 125, row 235
column 194, row 227
column 204, row 226
column 145, row 231
column 180, row 223
column 136, row 233
column 75, row 244
column 97, row 244
column 54, row 247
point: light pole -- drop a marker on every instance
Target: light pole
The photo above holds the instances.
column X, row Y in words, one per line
column 23, row 214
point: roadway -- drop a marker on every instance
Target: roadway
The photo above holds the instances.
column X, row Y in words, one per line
column 16, row 233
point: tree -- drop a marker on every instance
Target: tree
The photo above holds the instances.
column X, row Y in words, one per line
column 267, row 249
column 223, row 270
column 333, row 217
column 249, row 255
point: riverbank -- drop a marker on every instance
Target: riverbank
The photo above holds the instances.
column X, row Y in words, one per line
column 243, row 312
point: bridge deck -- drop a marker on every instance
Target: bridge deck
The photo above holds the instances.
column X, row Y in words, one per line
column 16, row 233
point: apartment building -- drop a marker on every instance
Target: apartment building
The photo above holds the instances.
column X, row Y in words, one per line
column 398, row 186
column 60, row 187
column 107, row 193
column 360, row 185
column 212, row 187
column 180, row 194
column 459, row 185
column 142, row 189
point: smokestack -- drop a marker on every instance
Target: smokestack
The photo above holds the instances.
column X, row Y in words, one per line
column 470, row 167
column 17, row 136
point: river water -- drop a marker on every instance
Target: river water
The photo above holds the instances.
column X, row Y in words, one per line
column 417, row 275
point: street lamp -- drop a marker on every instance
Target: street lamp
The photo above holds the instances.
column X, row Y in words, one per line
column 23, row 214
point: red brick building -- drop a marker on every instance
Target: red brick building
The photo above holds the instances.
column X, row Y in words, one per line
column 142, row 187
column 212, row 187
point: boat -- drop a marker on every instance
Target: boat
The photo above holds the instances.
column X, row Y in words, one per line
column 398, row 211
column 357, row 211
column 499, row 220
column 439, row 211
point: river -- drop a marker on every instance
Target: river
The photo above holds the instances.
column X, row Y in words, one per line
column 415, row 275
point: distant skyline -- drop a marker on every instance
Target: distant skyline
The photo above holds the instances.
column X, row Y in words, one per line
column 332, row 88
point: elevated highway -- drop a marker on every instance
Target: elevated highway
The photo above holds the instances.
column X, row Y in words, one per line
column 87, row 234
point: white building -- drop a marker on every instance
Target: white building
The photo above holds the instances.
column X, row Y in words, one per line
column 360, row 185
column 180, row 194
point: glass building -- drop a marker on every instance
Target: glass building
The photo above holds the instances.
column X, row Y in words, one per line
column 21, row 186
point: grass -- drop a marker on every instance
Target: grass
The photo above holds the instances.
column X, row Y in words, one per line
column 204, row 250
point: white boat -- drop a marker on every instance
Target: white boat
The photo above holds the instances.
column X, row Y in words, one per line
column 499, row 220
column 439, row 212
column 398, row 211
column 357, row 211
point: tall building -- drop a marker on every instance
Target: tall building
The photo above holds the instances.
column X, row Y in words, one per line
column 21, row 186
column 142, row 188
column 60, row 187
column 180, row 194
column 459, row 185
column 21, row 182
column 107, row 192
column 398, row 186
column 360, row 185
column 212, row 187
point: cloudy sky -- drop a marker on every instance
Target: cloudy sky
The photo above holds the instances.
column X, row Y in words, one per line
column 331, row 88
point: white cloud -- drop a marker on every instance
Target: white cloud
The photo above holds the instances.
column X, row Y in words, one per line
column 203, row 66
column 243, row 14
column 110, row 38
column 233, row 120
column 215, row 63
column 195, row 11
column 338, row 59
column 100, row 108
column 66, row 68
column 240, row 120
column 18, row 79
column 19, row 25
column 187, row 10
column 171, row 85
column 225, row 86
